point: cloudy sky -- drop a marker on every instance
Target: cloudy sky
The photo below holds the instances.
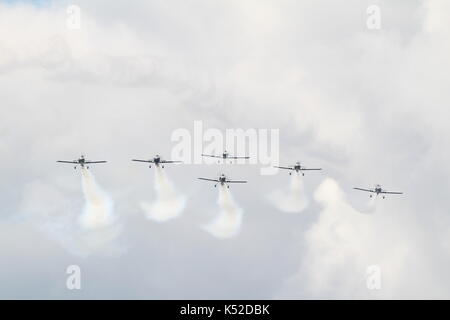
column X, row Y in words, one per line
column 367, row 105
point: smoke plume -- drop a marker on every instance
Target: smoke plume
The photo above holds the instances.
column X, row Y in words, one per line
column 228, row 223
column 293, row 199
column 99, row 227
column 169, row 203
column 98, row 211
column 95, row 230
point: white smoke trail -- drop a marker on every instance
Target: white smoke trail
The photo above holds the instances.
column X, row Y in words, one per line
column 228, row 223
column 293, row 199
column 98, row 212
column 95, row 230
column 169, row 203
column 99, row 226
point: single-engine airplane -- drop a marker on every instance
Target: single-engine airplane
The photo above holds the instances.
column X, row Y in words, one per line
column 157, row 160
column 378, row 190
column 297, row 167
column 225, row 155
column 222, row 179
column 82, row 162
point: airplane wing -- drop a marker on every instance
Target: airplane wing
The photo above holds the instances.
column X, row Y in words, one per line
column 367, row 190
column 95, row 162
column 287, row 168
column 391, row 192
column 206, row 179
column 169, row 161
column 238, row 157
column 303, row 169
column 73, row 162
column 211, row 155
column 236, row 181
column 148, row 161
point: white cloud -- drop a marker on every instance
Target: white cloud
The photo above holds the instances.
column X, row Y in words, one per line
column 368, row 106
column 343, row 243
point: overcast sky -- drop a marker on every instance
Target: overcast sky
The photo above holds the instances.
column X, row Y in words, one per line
column 367, row 105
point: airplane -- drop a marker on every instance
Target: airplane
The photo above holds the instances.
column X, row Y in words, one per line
column 81, row 162
column 378, row 190
column 223, row 180
column 225, row 155
column 156, row 160
column 298, row 168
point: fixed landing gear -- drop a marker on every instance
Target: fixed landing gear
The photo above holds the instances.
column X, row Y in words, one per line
column 150, row 166
column 215, row 185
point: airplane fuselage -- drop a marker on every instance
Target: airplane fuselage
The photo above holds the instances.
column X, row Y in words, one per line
column 297, row 168
column 378, row 190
